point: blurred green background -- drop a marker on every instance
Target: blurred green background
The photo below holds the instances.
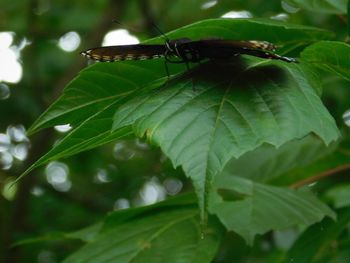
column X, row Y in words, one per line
column 40, row 41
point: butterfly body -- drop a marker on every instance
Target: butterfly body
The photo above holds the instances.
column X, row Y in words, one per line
column 185, row 50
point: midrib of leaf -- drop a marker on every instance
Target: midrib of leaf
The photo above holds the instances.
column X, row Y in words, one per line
column 173, row 142
column 208, row 176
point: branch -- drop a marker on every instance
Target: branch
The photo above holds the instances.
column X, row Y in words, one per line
column 320, row 176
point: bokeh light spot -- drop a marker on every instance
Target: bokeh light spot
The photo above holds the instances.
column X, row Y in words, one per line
column 69, row 41
column 346, row 118
column 237, row 14
column 209, row 4
column 10, row 68
column 119, row 37
column 57, row 176
column 63, row 128
column 4, row 91
column 121, row 203
column 172, row 185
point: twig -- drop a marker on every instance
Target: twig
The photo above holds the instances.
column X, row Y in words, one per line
column 322, row 175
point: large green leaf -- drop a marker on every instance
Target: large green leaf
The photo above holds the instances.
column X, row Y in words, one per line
column 222, row 117
column 322, row 6
column 89, row 100
column 221, row 111
column 172, row 235
column 286, row 36
column 332, row 56
column 316, row 244
column 250, row 208
column 102, row 84
column 254, row 28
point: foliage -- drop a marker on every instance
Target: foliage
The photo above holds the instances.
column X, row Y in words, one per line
column 247, row 138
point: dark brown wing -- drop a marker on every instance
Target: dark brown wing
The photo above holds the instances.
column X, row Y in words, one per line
column 225, row 49
column 240, row 44
column 125, row 52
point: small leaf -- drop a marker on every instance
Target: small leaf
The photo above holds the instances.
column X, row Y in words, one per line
column 317, row 241
column 249, row 208
column 329, row 55
column 339, row 195
column 321, row 6
column 221, row 111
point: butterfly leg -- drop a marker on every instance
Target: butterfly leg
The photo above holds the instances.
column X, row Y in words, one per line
column 166, row 69
column 188, row 70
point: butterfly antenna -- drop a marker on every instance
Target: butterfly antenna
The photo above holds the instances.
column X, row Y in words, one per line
column 131, row 29
column 160, row 31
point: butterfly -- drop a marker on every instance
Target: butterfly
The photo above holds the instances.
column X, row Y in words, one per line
column 185, row 50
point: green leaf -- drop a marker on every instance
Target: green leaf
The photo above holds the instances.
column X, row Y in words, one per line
column 89, row 100
column 277, row 32
column 339, row 195
column 183, row 200
column 317, row 242
column 85, row 94
column 115, row 218
column 103, row 83
column 270, row 163
column 86, row 234
column 321, row 6
column 172, row 235
column 329, row 55
column 90, row 134
column 96, row 88
column 334, row 161
column 249, row 208
column 221, row 111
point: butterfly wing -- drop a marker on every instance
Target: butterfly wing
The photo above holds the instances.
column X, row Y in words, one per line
column 125, row 52
column 226, row 49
